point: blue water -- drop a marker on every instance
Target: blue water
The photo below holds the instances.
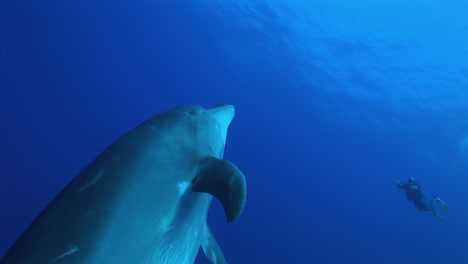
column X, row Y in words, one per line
column 335, row 100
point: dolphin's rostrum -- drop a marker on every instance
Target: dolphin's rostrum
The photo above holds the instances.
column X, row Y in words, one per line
column 144, row 199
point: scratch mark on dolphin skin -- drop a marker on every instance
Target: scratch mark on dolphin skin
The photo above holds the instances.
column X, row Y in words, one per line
column 71, row 250
column 91, row 181
column 165, row 225
column 182, row 186
column 154, row 128
column 115, row 157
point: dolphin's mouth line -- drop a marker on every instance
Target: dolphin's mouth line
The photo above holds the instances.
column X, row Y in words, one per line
column 220, row 107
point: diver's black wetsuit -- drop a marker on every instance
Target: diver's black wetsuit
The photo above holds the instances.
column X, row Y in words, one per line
column 414, row 194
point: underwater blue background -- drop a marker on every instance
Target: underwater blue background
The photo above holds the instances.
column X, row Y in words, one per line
column 335, row 100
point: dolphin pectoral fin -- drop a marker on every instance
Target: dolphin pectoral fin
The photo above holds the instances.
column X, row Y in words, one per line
column 211, row 248
column 223, row 180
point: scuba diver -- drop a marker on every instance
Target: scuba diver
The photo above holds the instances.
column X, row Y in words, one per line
column 414, row 194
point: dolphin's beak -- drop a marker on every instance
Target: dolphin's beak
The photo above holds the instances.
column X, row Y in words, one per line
column 224, row 113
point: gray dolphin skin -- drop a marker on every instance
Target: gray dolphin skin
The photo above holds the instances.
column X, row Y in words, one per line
column 143, row 200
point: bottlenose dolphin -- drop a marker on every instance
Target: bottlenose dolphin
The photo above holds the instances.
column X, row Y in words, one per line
column 144, row 199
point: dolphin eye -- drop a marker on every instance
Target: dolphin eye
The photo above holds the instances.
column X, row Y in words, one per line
column 192, row 112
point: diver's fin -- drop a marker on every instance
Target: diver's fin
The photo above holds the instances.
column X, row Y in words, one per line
column 442, row 204
column 211, row 248
column 437, row 215
column 223, row 180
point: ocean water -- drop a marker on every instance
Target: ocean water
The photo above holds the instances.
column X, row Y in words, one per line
column 335, row 101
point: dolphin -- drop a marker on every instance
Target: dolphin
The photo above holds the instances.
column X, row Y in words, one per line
column 144, row 199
